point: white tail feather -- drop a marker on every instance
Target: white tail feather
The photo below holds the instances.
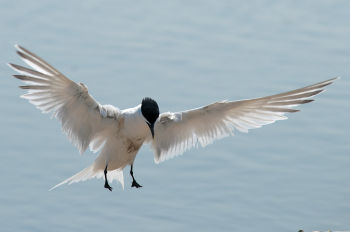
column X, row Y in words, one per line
column 90, row 172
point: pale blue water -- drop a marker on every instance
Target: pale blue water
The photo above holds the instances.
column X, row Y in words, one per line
column 287, row 176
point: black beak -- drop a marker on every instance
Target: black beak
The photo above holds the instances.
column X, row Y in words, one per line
column 151, row 127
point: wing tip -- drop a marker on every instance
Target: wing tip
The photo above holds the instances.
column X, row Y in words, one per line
column 21, row 54
column 18, row 47
column 334, row 78
column 19, row 77
column 11, row 65
column 330, row 81
column 14, row 67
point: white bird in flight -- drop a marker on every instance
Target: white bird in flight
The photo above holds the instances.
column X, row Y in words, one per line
column 119, row 134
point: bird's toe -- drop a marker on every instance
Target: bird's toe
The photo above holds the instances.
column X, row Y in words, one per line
column 108, row 187
column 135, row 184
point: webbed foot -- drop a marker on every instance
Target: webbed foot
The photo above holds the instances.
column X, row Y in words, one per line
column 108, row 187
column 135, row 184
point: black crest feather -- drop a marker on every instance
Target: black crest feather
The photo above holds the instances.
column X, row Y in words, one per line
column 150, row 109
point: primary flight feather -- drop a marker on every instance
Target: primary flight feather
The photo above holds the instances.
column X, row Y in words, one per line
column 119, row 134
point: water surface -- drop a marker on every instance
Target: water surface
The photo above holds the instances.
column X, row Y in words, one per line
column 286, row 176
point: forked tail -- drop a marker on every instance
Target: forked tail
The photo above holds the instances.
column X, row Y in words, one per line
column 89, row 173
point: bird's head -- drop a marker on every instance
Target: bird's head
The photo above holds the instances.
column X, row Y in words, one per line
column 150, row 111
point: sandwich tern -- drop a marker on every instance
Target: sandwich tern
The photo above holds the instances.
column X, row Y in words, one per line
column 118, row 134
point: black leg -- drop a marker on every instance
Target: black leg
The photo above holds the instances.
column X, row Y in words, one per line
column 106, row 181
column 134, row 183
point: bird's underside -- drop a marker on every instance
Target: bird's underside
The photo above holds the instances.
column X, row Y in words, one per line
column 87, row 123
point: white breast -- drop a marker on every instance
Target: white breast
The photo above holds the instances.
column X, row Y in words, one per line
column 135, row 126
column 121, row 148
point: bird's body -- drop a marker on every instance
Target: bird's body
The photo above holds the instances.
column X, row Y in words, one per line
column 129, row 135
column 119, row 134
column 120, row 144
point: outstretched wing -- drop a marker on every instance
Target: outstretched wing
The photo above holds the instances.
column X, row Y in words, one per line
column 177, row 132
column 83, row 119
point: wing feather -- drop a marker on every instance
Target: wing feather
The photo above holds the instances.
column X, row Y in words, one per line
column 83, row 119
column 177, row 132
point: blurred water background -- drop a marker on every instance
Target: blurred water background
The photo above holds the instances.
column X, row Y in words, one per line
column 286, row 176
